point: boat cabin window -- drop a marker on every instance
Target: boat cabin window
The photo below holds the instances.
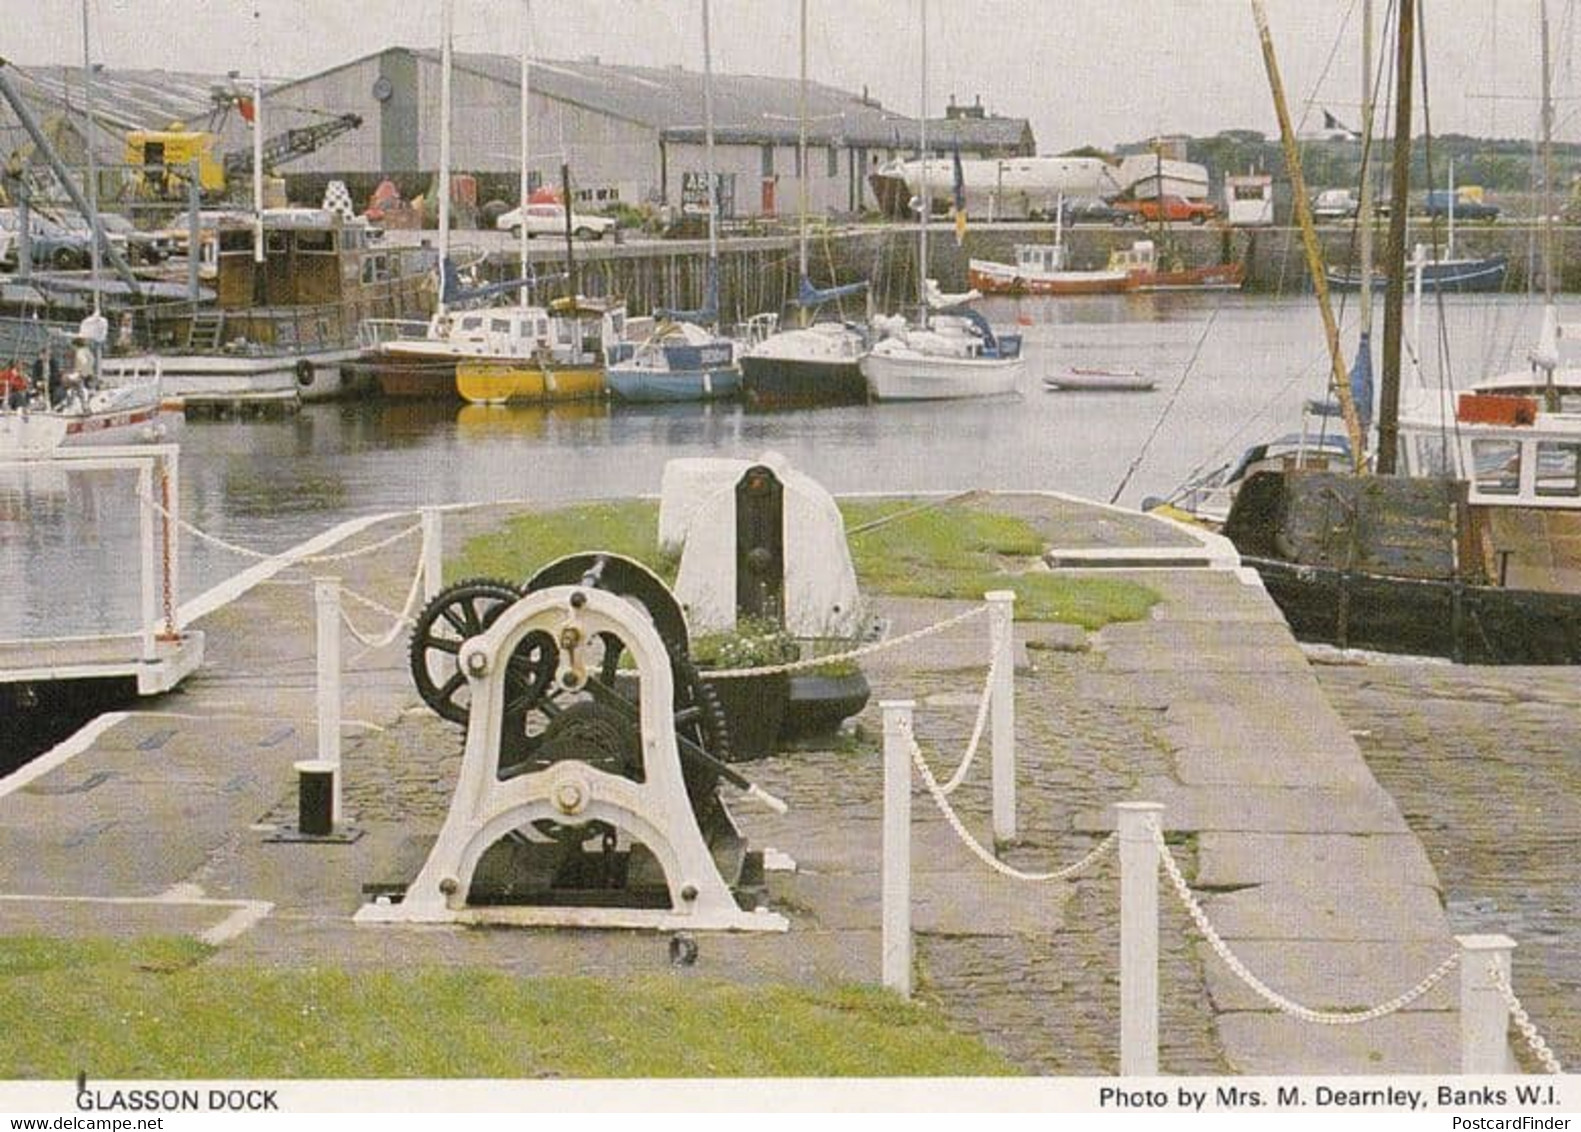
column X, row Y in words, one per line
column 499, row 325
column 376, row 269
column 1558, row 469
column 236, row 240
column 275, row 243
column 1496, row 466
column 472, row 323
column 315, row 241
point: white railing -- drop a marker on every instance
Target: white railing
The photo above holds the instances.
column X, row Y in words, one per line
column 1487, row 1001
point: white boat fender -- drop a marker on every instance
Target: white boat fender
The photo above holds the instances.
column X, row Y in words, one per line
column 305, row 373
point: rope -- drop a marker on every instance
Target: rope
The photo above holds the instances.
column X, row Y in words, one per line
column 1271, row 996
column 813, row 662
column 403, row 618
column 248, row 552
column 983, row 854
column 1523, row 1021
column 983, row 704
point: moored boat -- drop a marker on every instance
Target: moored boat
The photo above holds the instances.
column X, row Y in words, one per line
column 1040, row 269
column 1150, row 271
column 566, row 365
column 1099, row 380
column 678, row 362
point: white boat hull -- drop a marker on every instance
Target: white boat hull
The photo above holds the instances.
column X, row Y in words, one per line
column 911, row 376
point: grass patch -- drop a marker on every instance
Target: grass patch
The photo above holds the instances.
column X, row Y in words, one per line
column 150, row 1008
column 528, row 542
column 965, row 551
column 959, row 551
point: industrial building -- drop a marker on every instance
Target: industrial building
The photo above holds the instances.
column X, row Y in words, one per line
column 630, row 135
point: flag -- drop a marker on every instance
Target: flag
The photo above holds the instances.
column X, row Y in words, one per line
column 245, row 106
column 958, row 208
column 1332, row 123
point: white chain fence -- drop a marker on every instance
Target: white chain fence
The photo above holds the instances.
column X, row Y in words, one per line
column 814, row 662
column 261, row 556
column 1523, row 1021
column 938, row 793
column 1268, row 994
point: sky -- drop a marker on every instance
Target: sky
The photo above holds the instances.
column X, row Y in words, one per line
column 1083, row 72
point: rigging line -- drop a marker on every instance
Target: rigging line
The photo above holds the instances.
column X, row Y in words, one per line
column 1170, row 404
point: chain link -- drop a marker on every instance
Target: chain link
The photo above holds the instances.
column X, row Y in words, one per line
column 812, row 662
column 1523, row 1021
column 260, row 556
column 167, row 552
column 403, row 617
column 1268, row 994
column 983, row 704
column 982, row 854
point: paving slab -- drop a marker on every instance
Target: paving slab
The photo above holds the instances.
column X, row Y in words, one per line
column 1262, row 809
column 1333, row 975
column 1272, row 1045
column 1328, row 906
column 1228, row 859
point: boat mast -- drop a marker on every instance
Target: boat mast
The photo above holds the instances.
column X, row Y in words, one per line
column 922, row 213
column 1399, row 202
column 801, row 150
column 1546, row 356
column 447, row 25
column 1309, row 240
column 93, row 173
column 1365, row 238
column 711, row 283
column 258, row 129
column 525, row 74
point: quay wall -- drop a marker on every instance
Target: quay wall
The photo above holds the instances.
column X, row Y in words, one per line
column 759, row 273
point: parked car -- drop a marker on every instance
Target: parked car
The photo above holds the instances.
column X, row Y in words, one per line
column 1169, row 209
column 549, row 220
column 1094, row 210
column 1468, row 204
column 52, row 244
column 1332, row 205
column 138, row 245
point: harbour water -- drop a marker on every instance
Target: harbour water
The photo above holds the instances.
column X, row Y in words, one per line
column 1230, row 369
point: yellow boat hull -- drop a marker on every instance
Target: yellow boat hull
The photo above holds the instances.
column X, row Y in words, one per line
column 503, row 383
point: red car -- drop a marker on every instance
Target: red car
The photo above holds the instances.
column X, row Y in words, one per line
column 1172, row 209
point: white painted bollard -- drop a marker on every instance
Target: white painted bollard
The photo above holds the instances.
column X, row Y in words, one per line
column 895, row 869
column 1484, row 1015
column 1139, row 937
column 1001, row 622
column 433, row 553
column 326, row 599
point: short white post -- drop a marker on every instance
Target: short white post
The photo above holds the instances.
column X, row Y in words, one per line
column 1484, row 1015
column 895, row 870
column 1138, row 937
column 148, row 559
column 326, row 597
column 433, row 553
column 1001, row 627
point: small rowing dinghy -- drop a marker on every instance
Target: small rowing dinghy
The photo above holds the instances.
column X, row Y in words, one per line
column 1113, row 380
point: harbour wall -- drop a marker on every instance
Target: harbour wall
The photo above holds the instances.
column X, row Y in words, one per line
column 760, row 272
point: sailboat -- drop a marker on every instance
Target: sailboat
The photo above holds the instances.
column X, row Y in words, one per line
column 806, row 365
column 48, row 401
column 1473, row 553
column 950, row 351
column 682, row 360
column 1434, row 269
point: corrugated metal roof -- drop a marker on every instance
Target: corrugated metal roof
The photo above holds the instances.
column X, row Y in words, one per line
column 123, row 100
column 747, row 108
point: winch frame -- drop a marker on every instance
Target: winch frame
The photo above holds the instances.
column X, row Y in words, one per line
column 487, row 807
